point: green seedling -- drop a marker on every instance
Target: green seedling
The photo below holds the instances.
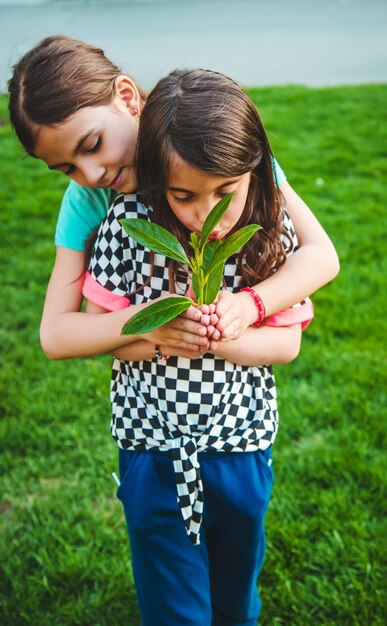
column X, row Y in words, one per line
column 206, row 264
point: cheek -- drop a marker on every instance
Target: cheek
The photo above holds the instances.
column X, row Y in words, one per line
column 179, row 212
column 133, row 140
column 132, row 136
column 174, row 207
column 124, row 144
column 237, row 210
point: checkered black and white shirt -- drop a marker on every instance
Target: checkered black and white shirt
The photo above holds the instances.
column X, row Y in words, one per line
column 184, row 406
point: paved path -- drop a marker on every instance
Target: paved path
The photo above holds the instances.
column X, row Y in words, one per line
column 258, row 42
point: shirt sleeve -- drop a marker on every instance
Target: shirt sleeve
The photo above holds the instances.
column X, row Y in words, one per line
column 81, row 211
column 279, row 174
column 106, row 281
column 301, row 313
column 108, row 300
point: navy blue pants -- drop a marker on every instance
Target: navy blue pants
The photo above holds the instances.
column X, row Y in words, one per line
column 213, row 584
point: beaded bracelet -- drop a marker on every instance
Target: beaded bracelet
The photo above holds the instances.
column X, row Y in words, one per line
column 158, row 354
column 259, row 304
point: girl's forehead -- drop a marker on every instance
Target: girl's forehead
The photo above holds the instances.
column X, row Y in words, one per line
column 183, row 175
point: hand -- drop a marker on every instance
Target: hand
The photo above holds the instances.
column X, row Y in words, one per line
column 209, row 319
column 185, row 332
column 236, row 312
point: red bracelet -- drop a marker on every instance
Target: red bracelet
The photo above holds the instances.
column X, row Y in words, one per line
column 259, row 304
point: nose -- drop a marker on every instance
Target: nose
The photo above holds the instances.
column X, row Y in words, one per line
column 203, row 210
column 93, row 173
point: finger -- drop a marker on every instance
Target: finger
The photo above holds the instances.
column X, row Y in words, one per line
column 226, row 320
column 173, row 348
column 182, row 336
column 186, row 325
column 232, row 331
column 191, row 342
column 194, row 328
column 193, row 313
column 214, row 345
column 205, row 320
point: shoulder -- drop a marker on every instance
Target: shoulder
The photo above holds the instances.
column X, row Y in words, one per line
column 279, row 174
column 92, row 199
column 125, row 206
column 81, row 211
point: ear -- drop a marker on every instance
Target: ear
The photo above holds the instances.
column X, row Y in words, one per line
column 126, row 91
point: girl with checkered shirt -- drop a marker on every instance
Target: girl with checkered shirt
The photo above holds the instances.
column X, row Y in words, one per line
column 77, row 111
column 195, row 434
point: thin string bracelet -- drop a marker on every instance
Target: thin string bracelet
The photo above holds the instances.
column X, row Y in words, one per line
column 259, row 304
column 158, row 354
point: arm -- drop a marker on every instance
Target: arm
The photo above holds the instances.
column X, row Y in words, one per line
column 65, row 332
column 261, row 346
column 142, row 347
column 257, row 346
column 313, row 265
column 143, row 350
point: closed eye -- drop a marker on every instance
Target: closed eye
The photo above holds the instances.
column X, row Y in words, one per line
column 182, row 200
column 67, row 172
column 96, row 146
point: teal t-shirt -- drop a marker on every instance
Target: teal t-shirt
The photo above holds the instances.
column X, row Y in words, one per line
column 83, row 209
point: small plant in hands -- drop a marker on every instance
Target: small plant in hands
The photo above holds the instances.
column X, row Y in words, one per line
column 206, row 264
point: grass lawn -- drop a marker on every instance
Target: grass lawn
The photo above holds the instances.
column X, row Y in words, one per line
column 64, row 556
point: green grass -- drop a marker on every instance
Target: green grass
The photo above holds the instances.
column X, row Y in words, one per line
column 63, row 553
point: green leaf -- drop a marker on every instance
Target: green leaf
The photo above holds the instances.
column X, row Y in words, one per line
column 156, row 315
column 215, row 216
column 213, row 284
column 232, row 244
column 155, row 238
column 209, row 252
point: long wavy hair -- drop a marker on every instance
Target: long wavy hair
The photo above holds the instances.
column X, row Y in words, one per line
column 208, row 121
column 55, row 79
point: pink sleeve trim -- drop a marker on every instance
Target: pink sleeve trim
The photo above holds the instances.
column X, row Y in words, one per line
column 296, row 315
column 108, row 300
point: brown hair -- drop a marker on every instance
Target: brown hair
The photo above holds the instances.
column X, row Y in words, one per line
column 55, row 79
column 208, row 120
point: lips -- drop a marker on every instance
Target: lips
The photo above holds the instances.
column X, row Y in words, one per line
column 215, row 235
column 115, row 184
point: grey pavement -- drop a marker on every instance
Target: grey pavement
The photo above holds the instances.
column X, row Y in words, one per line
column 257, row 42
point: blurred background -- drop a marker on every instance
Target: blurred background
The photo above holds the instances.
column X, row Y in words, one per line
column 257, row 42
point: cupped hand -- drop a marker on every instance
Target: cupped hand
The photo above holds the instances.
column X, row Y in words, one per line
column 209, row 320
column 185, row 332
column 235, row 311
